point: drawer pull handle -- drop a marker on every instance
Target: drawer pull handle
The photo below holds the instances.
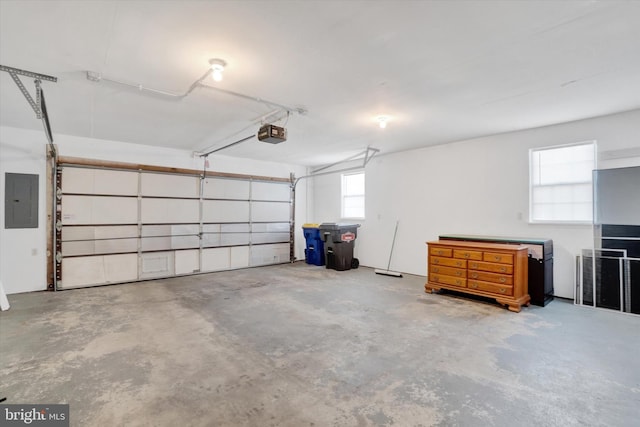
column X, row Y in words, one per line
column 474, row 265
column 458, row 282
column 503, row 270
column 458, row 273
column 467, row 255
column 436, row 270
column 474, row 275
column 458, row 264
column 474, row 285
column 498, row 257
column 502, row 290
column 435, row 261
column 440, row 252
column 502, row 280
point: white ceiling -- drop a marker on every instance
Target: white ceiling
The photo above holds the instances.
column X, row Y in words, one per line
column 443, row 71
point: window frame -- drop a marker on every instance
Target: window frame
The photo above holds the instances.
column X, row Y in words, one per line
column 342, row 194
column 532, row 151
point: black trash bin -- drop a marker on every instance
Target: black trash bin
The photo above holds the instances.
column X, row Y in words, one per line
column 339, row 240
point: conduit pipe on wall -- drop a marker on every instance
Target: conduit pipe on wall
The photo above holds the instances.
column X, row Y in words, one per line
column 97, row 77
column 279, row 108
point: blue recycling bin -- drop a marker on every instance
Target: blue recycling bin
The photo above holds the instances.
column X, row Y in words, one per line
column 314, row 253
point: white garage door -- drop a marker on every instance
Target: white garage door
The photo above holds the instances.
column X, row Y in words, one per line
column 118, row 225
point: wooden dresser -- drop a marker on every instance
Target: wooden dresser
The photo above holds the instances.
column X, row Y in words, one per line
column 488, row 269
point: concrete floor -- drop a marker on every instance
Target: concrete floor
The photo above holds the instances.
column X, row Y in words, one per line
column 299, row 345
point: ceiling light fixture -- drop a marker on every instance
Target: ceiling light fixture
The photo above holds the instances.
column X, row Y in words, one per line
column 217, row 67
column 382, row 121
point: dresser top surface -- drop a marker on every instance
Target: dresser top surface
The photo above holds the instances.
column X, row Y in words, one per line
column 471, row 237
column 478, row 245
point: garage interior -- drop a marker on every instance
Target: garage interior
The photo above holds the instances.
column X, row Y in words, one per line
column 156, row 266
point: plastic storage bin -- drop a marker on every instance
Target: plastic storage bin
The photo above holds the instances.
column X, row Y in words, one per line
column 339, row 240
column 314, row 252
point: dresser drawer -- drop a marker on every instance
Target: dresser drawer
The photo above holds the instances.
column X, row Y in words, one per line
column 502, row 279
column 494, row 288
column 496, row 257
column 467, row 254
column 450, row 262
column 489, row 266
column 441, row 251
column 448, row 271
column 449, row 280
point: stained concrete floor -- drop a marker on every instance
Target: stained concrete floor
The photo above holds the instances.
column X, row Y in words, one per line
column 299, row 345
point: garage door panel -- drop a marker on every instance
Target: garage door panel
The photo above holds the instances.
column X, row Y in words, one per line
column 106, row 232
column 170, row 242
column 87, row 247
column 216, row 259
column 82, row 271
column 239, row 257
column 265, row 211
column 167, row 185
column 170, row 211
column 99, row 181
column 221, row 188
column 210, row 240
column 278, row 227
column 121, row 268
column 77, row 210
column 78, row 233
column 111, row 246
column 228, row 239
column 157, row 264
column 270, row 191
column 85, row 232
column 270, row 238
column 187, row 262
column 97, row 247
column 156, row 230
column 114, row 210
column 225, row 211
column 269, row 254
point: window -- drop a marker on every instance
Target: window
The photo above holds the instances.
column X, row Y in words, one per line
column 561, row 183
column 353, row 195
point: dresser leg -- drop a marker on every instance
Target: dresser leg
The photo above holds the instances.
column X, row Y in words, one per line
column 515, row 307
column 430, row 289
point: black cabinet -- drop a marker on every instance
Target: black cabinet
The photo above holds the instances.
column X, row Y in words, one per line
column 540, row 262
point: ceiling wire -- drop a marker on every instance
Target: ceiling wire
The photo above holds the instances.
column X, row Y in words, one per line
column 110, row 33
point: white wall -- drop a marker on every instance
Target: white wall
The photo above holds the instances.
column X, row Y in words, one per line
column 478, row 186
column 23, row 251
